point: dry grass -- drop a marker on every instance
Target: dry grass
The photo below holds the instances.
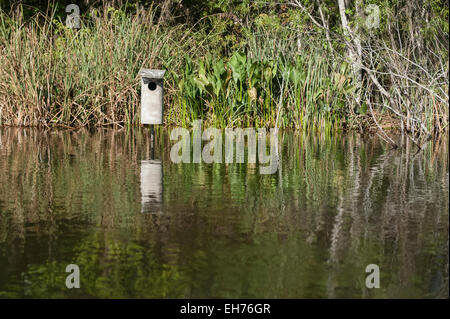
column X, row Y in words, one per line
column 51, row 75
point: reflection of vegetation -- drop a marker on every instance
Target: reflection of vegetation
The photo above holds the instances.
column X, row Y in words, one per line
column 43, row 280
column 126, row 269
column 336, row 205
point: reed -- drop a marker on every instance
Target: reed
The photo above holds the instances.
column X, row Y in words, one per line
column 51, row 75
column 54, row 76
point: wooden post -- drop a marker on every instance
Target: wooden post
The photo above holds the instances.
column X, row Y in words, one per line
column 152, row 140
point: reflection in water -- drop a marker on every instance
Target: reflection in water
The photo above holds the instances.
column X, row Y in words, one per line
column 151, row 186
column 338, row 204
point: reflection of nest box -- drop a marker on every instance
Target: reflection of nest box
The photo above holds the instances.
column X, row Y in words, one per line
column 152, row 94
column 151, row 186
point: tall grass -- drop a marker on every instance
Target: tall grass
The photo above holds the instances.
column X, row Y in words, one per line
column 51, row 75
column 268, row 75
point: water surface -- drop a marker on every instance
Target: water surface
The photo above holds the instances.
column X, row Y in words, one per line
column 140, row 226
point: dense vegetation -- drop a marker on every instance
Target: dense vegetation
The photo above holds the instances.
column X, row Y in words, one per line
column 299, row 64
column 336, row 205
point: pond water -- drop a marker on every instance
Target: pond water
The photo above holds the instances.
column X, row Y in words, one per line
column 140, row 226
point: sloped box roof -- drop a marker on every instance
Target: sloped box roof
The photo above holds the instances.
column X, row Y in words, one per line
column 151, row 73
